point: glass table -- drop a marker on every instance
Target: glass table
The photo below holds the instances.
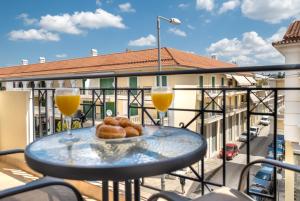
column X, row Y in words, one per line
column 157, row 151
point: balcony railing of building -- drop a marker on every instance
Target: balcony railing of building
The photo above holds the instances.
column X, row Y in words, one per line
column 46, row 115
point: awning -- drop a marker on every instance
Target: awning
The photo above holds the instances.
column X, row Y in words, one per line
column 251, row 79
column 241, row 80
column 228, row 76
column 254, row 98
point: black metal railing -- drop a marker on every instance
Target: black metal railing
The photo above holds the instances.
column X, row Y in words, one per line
column 95, row 110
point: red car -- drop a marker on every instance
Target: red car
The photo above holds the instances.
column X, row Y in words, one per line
column 231, row 150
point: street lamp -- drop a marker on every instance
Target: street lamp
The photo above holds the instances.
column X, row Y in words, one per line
column 174, row 21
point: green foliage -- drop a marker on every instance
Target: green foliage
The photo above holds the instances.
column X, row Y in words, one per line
column 75, row 124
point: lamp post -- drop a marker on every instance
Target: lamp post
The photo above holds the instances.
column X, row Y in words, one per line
column 174, row 21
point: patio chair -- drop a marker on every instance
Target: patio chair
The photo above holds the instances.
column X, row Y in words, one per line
column 45, row 189
column 225, row 193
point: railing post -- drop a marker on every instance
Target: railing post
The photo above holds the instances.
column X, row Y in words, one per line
column 275, row 141
column 248, row 135
column 224, row 137
column 116, row 96
column 202, row 133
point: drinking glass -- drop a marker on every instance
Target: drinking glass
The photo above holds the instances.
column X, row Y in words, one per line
column 67, row 101
column 162, row 97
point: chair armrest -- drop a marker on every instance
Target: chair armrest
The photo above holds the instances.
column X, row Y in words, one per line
column 275, row 163
column 11, row 151
column 37, row 184
column 169, row 196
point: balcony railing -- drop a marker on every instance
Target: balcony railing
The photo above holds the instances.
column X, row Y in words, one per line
column 46, row 115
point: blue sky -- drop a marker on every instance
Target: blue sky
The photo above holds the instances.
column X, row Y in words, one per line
column 235, row 30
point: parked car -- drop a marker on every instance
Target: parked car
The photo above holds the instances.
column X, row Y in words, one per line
column 279, row 145
column 279, row 170
column 265, row 120
column 231, row 150
column 264, row 178
column 279, row 153
column 255, row 188
column 254, row 130
column 243, row 137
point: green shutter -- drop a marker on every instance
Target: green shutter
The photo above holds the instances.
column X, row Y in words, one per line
column 134, row 111
column 201, row 81
column 133, row 84
column 164, row 80
column 213, row 81
column 86, row 107
column 107, row 83
column 222, row 82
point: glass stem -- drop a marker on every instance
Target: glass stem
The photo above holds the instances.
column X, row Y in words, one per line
column 161, row 117
column 69, row 124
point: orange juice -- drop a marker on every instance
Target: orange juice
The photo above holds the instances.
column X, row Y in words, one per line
column 161, row 100
column 68, row 104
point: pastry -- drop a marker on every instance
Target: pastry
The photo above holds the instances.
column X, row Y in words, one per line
column 131, row 132
column 125, row 123
column 111, row 121
column 139, row 128
column 110, row 132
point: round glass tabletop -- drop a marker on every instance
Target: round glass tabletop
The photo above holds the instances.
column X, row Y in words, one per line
column 156, row 152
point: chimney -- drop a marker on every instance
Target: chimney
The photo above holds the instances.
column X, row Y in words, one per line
column 24, row 62
column 94, row 52
column 42, row 60
column 214, row 56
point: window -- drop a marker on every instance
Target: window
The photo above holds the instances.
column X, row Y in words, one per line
column 133, row 84
column 222, row 81
column 201, row 81
column 107, row 83
column 213, row 81
column 164, row 80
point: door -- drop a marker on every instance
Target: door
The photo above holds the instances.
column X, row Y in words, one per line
column 164, row 80
column 109, row 110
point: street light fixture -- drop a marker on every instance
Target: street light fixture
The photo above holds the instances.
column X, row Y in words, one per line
column 174, row 21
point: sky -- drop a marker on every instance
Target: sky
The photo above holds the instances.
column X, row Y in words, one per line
column 235, row 30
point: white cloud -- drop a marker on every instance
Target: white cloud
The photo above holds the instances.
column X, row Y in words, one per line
column 205, row 5
column 26, row 20
column 33, row 34
column 60, row 23
column 63, row 55
column 190, row 27
column 126, row 8
column 229, row 5
column 251, row 49
column 183, row 5
column 278, row 35
column 143, row 41
column 271, row 11
column 99, row 19
column 177, row 32
column 73, row 24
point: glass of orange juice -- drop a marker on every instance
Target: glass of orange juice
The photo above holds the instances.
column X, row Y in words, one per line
column 162, row 97
column 67, row 101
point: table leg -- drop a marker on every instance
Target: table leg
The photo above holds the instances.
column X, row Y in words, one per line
column 128, row 190
column 105, row 191
column 116, row 191
column 137, row 192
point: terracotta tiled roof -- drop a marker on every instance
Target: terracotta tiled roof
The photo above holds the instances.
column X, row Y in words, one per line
column 292, row 35
column 125, row 61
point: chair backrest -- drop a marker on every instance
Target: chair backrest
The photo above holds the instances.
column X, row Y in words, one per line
column 43, row 190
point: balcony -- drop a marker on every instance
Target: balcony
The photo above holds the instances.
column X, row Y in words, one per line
column 220, row 124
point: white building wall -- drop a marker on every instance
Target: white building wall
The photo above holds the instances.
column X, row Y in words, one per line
column 291, row 53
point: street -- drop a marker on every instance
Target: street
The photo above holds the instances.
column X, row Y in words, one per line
column 258, row 149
